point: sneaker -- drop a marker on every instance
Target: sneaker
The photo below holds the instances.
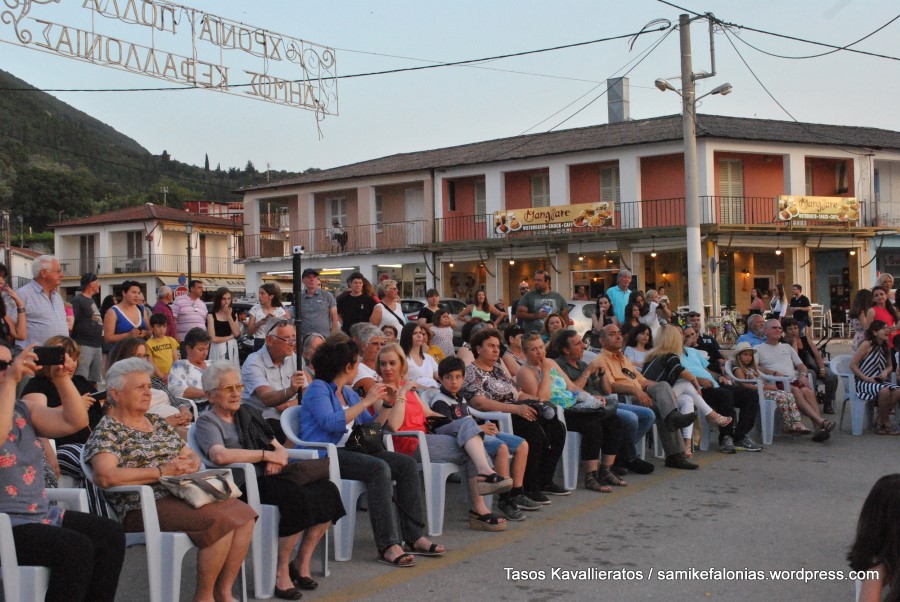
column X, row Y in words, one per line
column 523, row 502
column 726, row 445
column 747, row 444
column 538, row 497
column 554, row 489
column 510, row 511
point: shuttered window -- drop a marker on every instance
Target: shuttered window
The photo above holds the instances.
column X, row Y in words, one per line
column 610, row 191
column 540, row 190
column 731, row 191
column 480, row 202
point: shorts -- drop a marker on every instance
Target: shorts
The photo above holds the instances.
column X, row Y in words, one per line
column 493, row 442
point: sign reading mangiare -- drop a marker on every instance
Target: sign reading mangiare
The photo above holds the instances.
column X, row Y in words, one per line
column 178, row 44
column 583, row 215
column 820, row 208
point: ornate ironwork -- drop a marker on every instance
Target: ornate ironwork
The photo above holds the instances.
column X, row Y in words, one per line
column 24, row 7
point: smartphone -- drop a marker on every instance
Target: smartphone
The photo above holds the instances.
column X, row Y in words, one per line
column 50, row 356
column 99, row 395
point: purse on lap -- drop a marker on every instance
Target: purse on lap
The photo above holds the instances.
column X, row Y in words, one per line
column 201, row 488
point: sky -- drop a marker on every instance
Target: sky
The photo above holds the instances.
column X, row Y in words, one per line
column 403, row 112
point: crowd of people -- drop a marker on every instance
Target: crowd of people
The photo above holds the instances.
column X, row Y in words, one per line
column 176, row 367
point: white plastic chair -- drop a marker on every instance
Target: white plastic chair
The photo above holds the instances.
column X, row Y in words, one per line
column 29, row 583
column 860, row 412
column 351, row 490
column 571, row 455
column 165, row 550
column 264, row 545
column 767, row 407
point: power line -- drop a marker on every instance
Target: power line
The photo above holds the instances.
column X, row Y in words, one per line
column 467, row 62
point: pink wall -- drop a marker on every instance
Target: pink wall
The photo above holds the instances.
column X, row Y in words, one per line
column 465, row 198
column 824, row 178
column 518, row 188
column 662, row 177
column 763, row 174
column 584, row 182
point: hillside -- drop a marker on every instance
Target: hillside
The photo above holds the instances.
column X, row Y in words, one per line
column 58, row 161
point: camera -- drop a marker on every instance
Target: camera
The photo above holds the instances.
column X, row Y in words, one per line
column 50, row 356
column 299, row 249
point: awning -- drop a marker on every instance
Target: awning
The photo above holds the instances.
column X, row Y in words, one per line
column 211, row 284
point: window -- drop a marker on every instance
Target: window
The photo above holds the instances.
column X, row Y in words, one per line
column 337, row 210
column 379, row 213
column 86, row 253
column 540, row 190
column 731, row 191
column 451, row 196
column 134, row 242
column 480, row 202
column 809, row 179
column 610, row 189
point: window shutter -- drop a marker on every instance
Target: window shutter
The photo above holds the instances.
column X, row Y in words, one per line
column 540, row 190
column 480, row 202
column 610, row 190
column 731, row 191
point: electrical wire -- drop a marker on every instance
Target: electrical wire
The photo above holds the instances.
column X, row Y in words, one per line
column 466, row 62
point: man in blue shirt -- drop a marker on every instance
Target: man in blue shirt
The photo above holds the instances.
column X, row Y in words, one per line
column 723, row 397
column 755, row 335
column 618, row 295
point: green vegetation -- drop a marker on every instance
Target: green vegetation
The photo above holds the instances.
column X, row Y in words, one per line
column 59, row 163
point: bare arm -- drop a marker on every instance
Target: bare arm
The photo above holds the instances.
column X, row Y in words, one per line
column 108, row 473
column 861, row 352
column 272, row 397
column 375, row 318
column 70, row 417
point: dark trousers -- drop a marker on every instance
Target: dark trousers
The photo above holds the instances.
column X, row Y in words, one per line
column 85, row 556
column 597, row 435
column 725, row 399
column 546, row 439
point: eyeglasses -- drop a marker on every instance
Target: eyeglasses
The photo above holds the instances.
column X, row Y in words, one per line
column 4, row 364
column 378, row 343
column 288, row 341
column 232, row 388
column 629, row 373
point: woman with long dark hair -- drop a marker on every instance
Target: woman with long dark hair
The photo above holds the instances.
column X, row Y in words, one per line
column 877, row 543
column 223, row 329
column 859, row 316
column 871, row 365
column 757, row 305
column 604, row 315
column 483, row 309
column 265, row 313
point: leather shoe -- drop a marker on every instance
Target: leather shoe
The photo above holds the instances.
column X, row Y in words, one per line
column 618, row 470
column 639, row 466
column 679, row 461
column 676, row 420
column 291, row 593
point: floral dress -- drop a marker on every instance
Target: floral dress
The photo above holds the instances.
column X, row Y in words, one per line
column 785, row 401
column 495, row 384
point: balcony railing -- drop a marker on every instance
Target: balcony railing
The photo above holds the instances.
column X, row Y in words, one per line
column 637, row 215
column 123, row 264
column 355, row 239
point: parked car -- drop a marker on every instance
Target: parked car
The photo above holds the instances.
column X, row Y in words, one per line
column 411, row 307
column 581, row 314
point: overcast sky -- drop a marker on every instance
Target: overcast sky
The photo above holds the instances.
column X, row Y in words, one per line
column 403, row 112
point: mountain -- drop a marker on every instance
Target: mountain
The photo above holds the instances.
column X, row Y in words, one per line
column 57, row 161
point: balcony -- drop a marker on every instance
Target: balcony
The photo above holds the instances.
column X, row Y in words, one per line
column 125, row 265
column 396, row 236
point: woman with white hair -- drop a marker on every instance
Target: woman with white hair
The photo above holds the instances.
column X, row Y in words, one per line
column 132, row 447
column 388, row 312
column 231, row 432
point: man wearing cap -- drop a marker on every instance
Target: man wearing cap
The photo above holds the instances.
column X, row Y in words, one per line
column 87, row 329
column 164, row 297
column 189, row 310
column 318, row 310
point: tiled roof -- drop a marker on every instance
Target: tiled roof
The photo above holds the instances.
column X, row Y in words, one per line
column 628, row 133
column 148, row 211
column 25, row 252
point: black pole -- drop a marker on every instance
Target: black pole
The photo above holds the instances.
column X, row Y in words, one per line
column 298, row 321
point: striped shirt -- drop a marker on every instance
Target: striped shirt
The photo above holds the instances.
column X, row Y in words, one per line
column 189, row 313
column 45, row 316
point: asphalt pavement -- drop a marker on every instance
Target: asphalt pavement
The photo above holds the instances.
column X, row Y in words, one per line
column 716, row 533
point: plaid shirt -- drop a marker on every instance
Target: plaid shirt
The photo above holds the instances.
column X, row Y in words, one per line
column 45, row 316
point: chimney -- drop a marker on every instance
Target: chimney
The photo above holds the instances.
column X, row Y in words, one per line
column 618, row 100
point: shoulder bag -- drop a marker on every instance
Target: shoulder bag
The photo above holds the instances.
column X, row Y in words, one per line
column 201, row 488
column 365, row 439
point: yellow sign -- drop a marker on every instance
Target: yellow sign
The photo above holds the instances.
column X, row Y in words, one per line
column 583, row 215
column 820, row 208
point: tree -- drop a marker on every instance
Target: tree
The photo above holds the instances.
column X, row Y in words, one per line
column 206, row 163
column 40, row 195
column 249, row 168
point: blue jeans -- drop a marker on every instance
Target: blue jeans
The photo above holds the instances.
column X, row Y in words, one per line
column 493, row 442
column 377, row 471
column 636, row 422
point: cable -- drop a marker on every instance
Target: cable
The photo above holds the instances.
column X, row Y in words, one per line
column 336, row 77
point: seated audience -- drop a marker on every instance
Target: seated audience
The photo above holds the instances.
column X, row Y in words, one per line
column 812, row 359
column 872, row 368
column 442, row 331
column 745, row 368
column 638, row 342
column 422, row 369
column 185, row 375
column 514, row 358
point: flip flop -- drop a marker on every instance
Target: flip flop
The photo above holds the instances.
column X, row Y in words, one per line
column 433, row 550
column 403, row 561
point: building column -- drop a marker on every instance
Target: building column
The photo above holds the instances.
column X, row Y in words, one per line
column 706, row 181
column 364, row 235
column 630, row 191
column 559, row 183
column 494, row 190
column 794, row 173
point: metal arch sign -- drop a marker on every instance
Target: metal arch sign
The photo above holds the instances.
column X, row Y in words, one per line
column 181, row 45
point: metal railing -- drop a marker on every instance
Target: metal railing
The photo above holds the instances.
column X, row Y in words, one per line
column 350, row 239
column 123, row 264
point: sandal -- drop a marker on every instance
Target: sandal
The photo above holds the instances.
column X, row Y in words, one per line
column 486, row 522
column 403, row 561
column 885, row 429
column 490, row 484
column 591, row 483
column 606, row 477
column 828, row 426
column 307, row 583
column 799, row 429
column 719, row 420
column 433, row 550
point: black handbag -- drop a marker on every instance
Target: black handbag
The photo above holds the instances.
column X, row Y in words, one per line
column 304, row 472
column 366, row 439
column 590, row 405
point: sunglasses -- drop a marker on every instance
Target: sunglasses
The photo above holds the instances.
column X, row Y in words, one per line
column 629, row 373
column 4, row 364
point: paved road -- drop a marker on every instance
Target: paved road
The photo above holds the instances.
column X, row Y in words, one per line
column 793, row 506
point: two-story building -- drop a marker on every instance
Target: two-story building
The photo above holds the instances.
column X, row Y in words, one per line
column 586, row 202
column 150, row 244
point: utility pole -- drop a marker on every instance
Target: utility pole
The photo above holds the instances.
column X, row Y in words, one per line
column 165, row 191
column 22, row 231
column 691, row 192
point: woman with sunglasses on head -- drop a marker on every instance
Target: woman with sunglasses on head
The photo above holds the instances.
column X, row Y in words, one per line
column 388, row 312
column 265, row 313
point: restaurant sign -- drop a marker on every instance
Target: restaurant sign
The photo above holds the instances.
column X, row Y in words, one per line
column 559, row 217
column 819, row 208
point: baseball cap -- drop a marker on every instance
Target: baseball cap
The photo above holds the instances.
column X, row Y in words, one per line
column 308, row 272
column 86, row 279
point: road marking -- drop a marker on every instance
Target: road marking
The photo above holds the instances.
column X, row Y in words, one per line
column 532, row 526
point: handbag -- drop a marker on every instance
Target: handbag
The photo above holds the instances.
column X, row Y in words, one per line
column 365, row 439
column 201, row 488
column 588, row 404
column 433, row 423
column 545, row 410
column 304, row 472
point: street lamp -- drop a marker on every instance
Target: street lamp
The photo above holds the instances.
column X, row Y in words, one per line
column 188, row 230
column 691, row 192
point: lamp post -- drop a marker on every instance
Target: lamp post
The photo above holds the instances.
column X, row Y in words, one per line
column 691, row 192
column 188, row 230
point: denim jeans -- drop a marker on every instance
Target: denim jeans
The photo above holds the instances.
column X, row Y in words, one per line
column 377, row 472
column 636, row 422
